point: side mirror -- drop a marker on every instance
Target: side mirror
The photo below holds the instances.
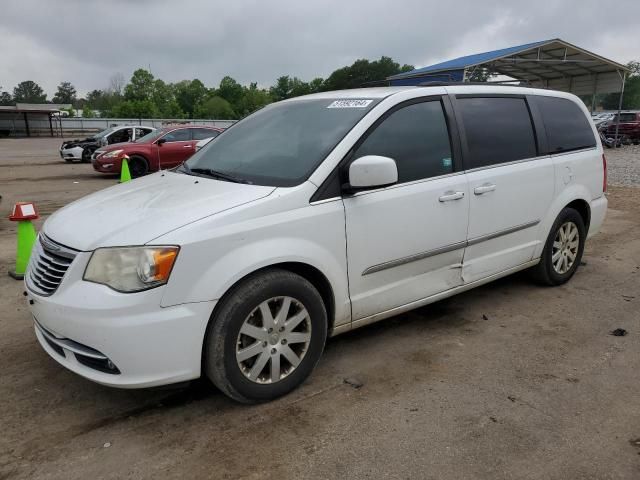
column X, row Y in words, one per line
column 371, row 171
column 161, row 141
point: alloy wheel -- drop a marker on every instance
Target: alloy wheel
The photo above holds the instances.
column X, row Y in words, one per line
column 273, row 340
column 565, row 247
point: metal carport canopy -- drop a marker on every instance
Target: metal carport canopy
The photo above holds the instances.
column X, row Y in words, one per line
column 554, row 64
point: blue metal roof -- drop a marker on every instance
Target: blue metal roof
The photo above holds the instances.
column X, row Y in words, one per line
column 470, row 60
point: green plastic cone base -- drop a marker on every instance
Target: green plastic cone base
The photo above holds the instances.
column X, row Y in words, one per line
column 26, row 239
column 125, row 174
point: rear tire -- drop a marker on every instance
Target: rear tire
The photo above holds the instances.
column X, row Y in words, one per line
column 138, row 166
column 563, row 249
column 265, row 337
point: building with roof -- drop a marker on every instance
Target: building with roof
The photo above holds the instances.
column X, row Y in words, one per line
column 553, row 64
column 27, row 119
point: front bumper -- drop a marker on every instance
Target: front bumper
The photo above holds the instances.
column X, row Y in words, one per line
column 89, row 328
column 73, row 153
column 111, row 165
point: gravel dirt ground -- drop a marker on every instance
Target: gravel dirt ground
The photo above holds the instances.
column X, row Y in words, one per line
column 509, row 380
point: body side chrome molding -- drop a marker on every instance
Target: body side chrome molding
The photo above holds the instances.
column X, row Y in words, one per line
column 500, row 233
column 413, row 258
column 447, row 248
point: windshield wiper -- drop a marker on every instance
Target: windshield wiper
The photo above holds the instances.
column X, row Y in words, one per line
column 209, row 172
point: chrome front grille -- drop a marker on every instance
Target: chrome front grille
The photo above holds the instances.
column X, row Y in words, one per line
column 49, row 262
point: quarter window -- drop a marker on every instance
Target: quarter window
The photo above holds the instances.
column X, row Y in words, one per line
column 565, row 123
column 416, row 137
column 202, row 133
column 498, row 130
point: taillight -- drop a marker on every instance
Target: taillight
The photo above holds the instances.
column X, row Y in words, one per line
column 604, row 171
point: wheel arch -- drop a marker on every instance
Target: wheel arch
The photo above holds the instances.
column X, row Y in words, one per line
column 583, row 208
column 310, row 273
column 575, row 197
column 141, row 155
column 305, row 270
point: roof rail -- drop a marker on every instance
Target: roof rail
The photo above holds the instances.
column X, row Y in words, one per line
column 484, row 84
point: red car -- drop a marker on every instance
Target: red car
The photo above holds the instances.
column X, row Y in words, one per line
column 165, row 148
column 629, row 126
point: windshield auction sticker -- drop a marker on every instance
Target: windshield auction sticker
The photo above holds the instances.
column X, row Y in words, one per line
column 350, row 104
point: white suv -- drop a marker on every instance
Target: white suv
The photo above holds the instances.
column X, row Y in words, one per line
column 309, row 218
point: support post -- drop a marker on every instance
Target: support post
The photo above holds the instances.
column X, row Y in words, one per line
column 26, row 123
column 624, row 76
column 50, row 126
column 593, row 95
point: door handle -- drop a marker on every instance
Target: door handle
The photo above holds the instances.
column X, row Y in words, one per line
column 485, row 188
column 186, row 146
column 451, row 195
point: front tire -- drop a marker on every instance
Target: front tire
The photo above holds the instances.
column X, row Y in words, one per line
column 138, row 166
column 563, row 249
column 265, row 337
column 86, row 155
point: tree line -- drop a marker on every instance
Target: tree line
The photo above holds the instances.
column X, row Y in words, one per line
column 146, row 96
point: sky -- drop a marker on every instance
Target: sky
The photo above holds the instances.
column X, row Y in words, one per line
column 87, row 41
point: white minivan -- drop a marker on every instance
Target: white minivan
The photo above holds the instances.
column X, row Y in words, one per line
column 309, row 218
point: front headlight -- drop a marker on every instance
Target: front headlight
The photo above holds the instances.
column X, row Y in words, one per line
column 131, row 269
column 112, row 154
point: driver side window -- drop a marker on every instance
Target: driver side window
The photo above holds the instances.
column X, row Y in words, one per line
column 416, row 137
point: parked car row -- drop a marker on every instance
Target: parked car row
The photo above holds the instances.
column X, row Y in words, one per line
column 82, row 149
column 628, row 128
column 602, row 119
column 161, row 149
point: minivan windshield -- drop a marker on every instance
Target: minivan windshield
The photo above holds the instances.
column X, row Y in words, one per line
column 282, row 144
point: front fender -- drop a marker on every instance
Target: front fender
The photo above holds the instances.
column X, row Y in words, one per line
column 207, row 268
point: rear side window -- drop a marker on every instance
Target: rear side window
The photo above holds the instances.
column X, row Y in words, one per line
column 416, row 137
column 202, row 133
column 498, row 130
column 566, row 125
column 141, row 132
column 183, row 135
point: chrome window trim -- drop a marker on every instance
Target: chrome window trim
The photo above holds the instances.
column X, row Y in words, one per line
column 400, row 185
column 578, row 150
column 447, row 248
column 533, row 159
column 505, row 164
column 325, row 200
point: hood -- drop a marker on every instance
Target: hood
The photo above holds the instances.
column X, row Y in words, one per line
column 80, row 140
column 136, row 212
column 125, row 146
column 118, row 146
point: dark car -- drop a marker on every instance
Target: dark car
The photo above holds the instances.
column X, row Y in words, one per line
column 629, row 126
column 164, row 148
column 82, row 149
